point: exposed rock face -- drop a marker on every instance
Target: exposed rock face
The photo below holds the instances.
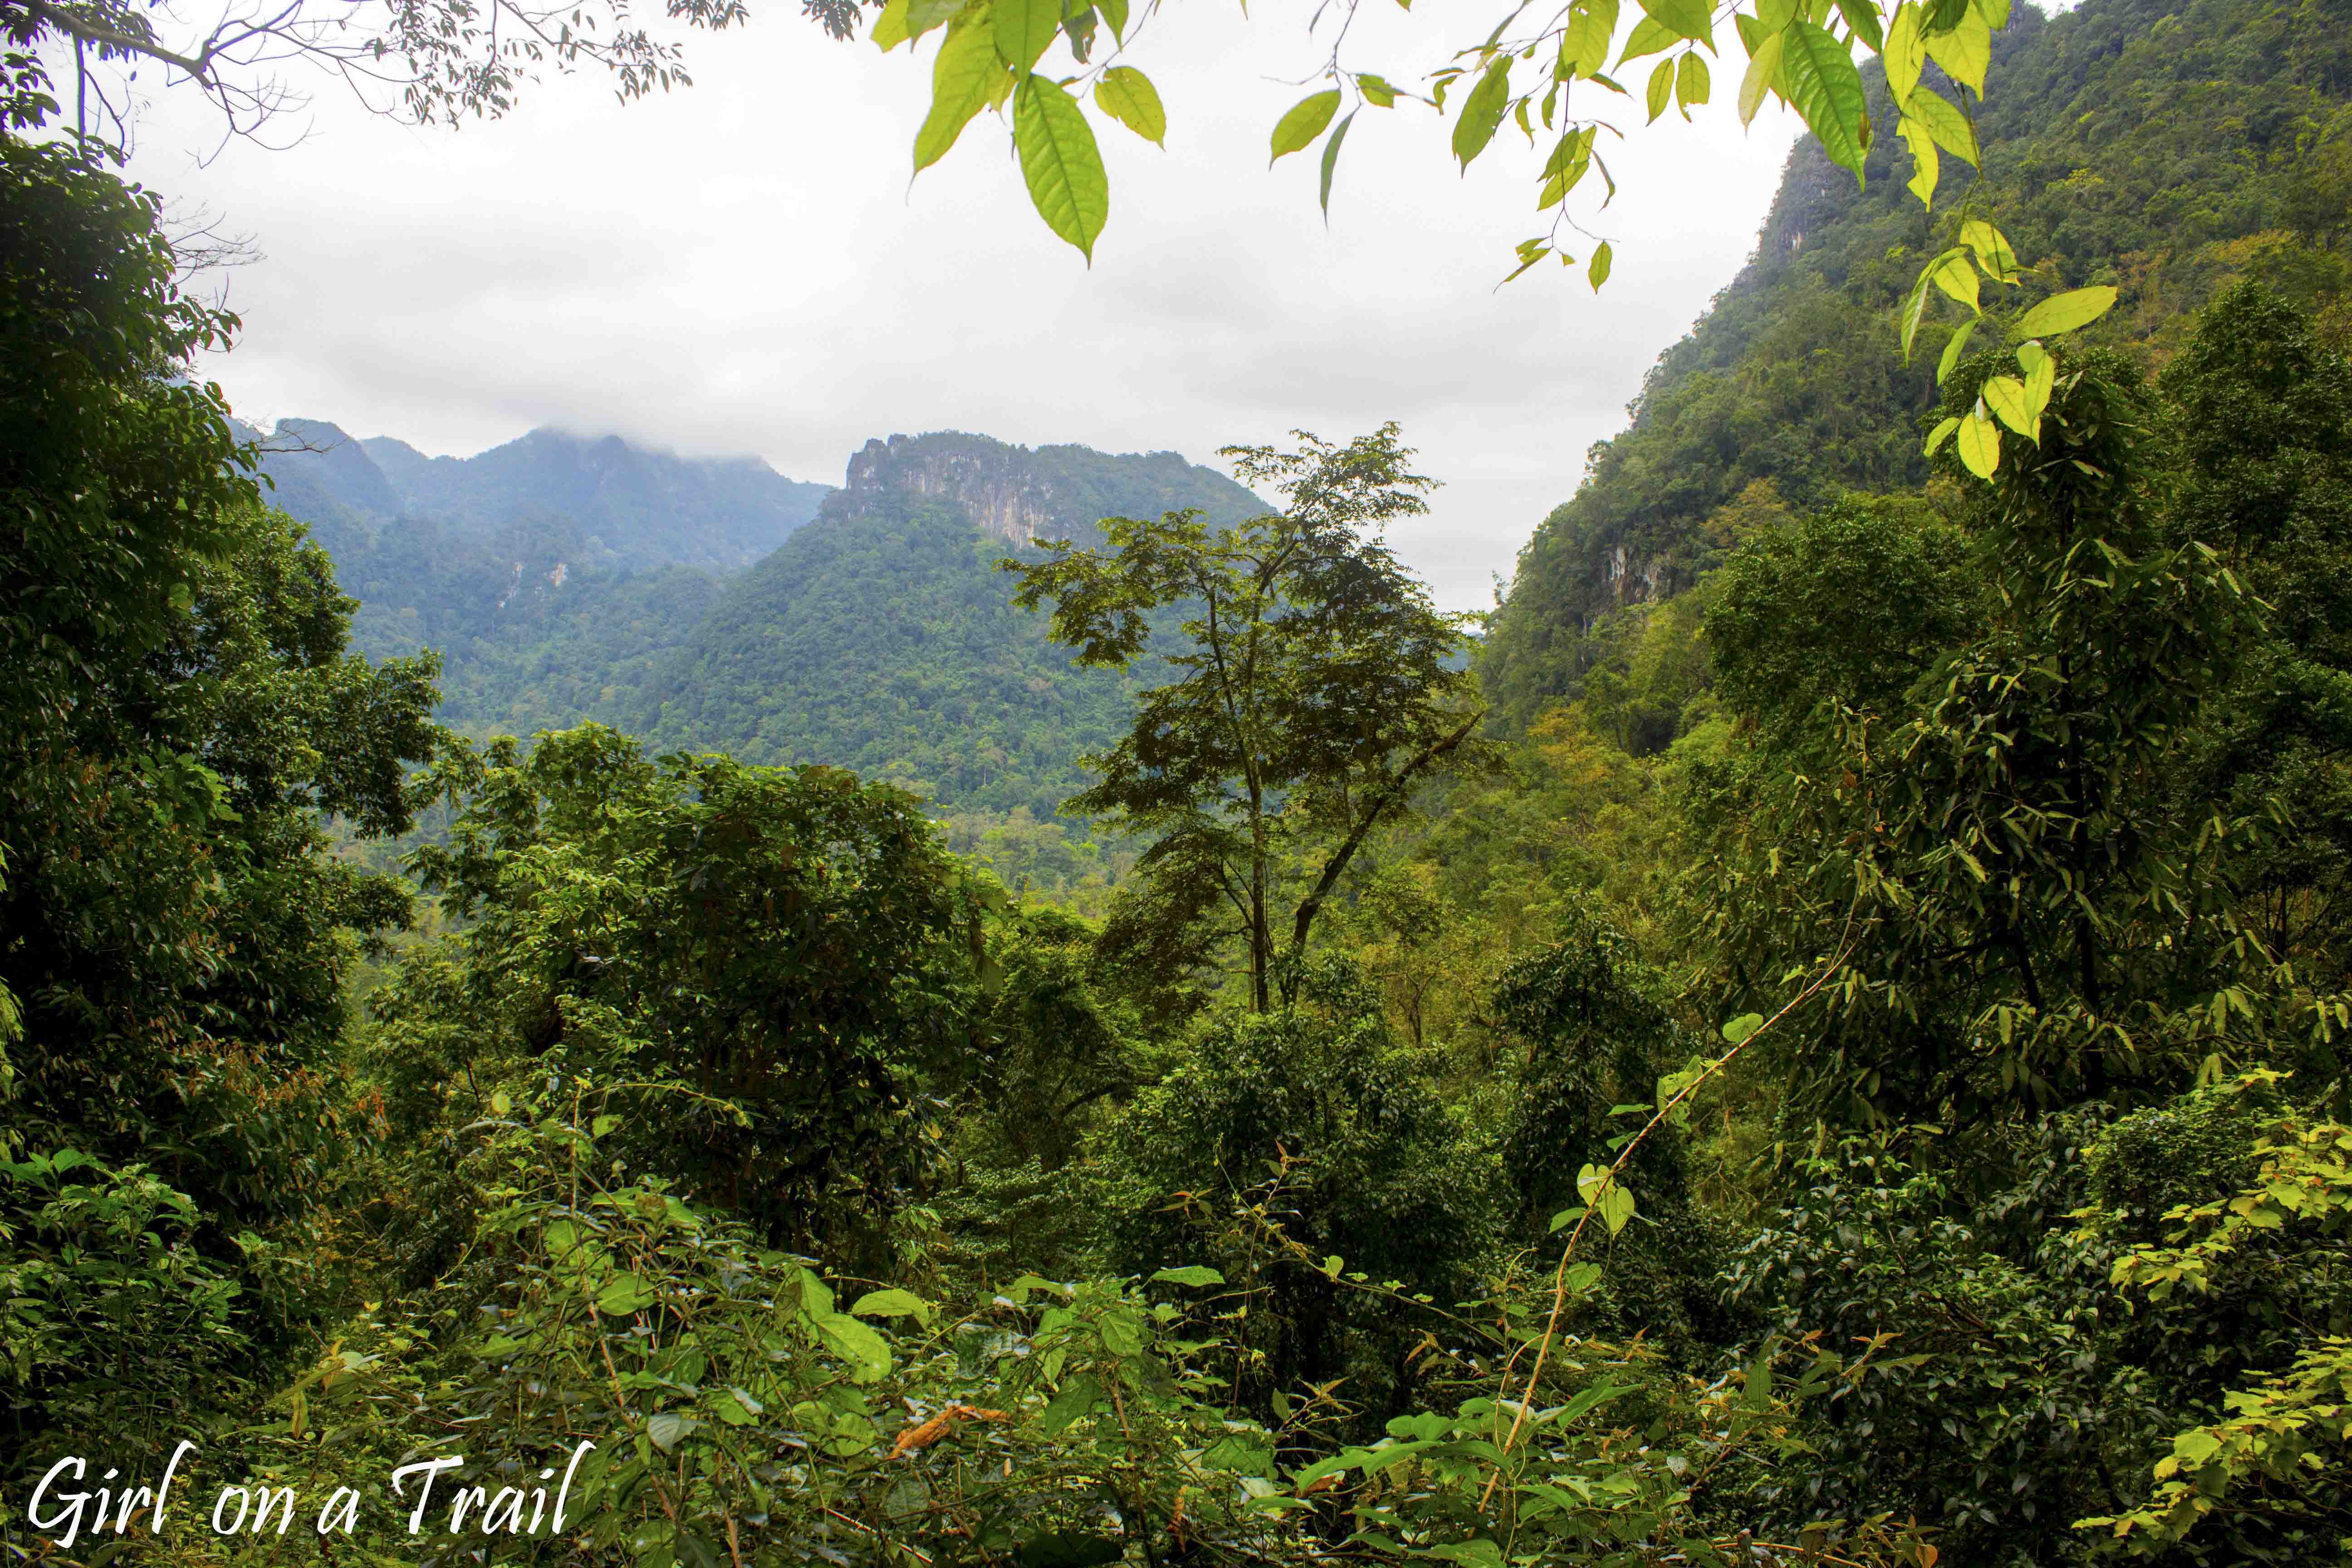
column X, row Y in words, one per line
column 997, row 485
column 1021, row 495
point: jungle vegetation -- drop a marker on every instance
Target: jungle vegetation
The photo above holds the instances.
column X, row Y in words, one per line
column 1858, row 1077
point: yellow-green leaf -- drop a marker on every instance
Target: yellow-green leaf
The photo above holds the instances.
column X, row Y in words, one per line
column 1114, row 11
column 2063, row 312
column 1762, row 71
column 2041, row 375
column 1128, row 96
column 891, row 28
column 1596, row 271
column 1304, row 122
column 1060, row 163
column 1905, row 54
column 1979, row 443
column 2005, row 396
column 1482, row 112
column 1376, row 90
column 1662, row 89
column 1826, row 90
column 1946, row 123
column 922, row 16
column 1965, row 52
column 1927, row 168
column 1024, row 28
column 1691, row 82
column 1862, row 16
column 1691, row 19
column 1584, row 47
column 1649, row 37
column 1331, row 159
column 962, row 79
column 1992, row 251
column 1943, row 432
column 1952, row 274
column 891, row 1304
column 1954, row 347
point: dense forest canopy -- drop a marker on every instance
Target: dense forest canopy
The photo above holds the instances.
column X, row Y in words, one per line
column 1836, row 1057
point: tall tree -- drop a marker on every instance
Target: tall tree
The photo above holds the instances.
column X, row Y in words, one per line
column 1317, row 688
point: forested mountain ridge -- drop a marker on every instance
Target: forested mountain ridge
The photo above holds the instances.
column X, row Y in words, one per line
column 880, row 637
column 635, row 506
column 2162, row 147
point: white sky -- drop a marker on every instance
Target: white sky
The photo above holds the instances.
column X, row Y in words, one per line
column 742, row 266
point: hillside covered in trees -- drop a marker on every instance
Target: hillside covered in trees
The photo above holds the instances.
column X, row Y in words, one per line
column 1835, row 1057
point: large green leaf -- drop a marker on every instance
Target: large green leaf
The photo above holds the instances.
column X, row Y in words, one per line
column 1827, row 90
column 1927, row 168
column 890, row 1304
column 1024, row 28
column 1662, row 88
column 1862, row 16
column 1649, row 37
column 1952, row 274
column 1979, row 443
column 1992, row 251
column 1584, row 47
column 1482, row 112
column 1763, row 70
column 1190, row 1274
column 1128, row 96
column 1304, row 122
column 1905, row 55
column 961, row 80
column 1691, row 19
column 1954, row 347
column 2063, row 312
column 1691, row 83
column 1060, row 161
column 867, row 1353
column 1965, row 52
column 2005, row 396
column 1947, row 124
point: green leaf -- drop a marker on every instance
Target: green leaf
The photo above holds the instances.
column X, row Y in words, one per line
column 1945, row 123
column 1565, row 1218
column 1954, row 347
column 1128, row 96
column 1943, row 432
column 1077, row 1400
column 2005, row 396
column 1596, row 271
column 667, row 1428
column 1965, row 52
column 1952, row 274
column 1304, row 122
column 1114, row 11
column 1927, row 168
column 1482, row 112
column 1060, row 161
column 922, row 16
column 1691, row 82
column 1739, row 1028
column 2040, row 374
column 867, row 1352
column 1376, row 90
column 891, row 28
column 1662, row 89
column 502, row 1103
column 1332, row 1264
column 962, row 79
column 1992, row 251
column 1690, row 19
column 1862, row 16
column 1905, row 55
column 1584, row 47
column 1826, row 90
column 1979, row 442
column 1331, row 159
column 1763, row 70
column 1995, row 12
column 1190, row 1274
column 624, row 1296
column 891, row 1304
column 1024, row 28
column 1648, row 37
column 2063, row 312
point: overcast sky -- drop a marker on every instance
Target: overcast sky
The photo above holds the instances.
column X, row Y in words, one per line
column 742, row 266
